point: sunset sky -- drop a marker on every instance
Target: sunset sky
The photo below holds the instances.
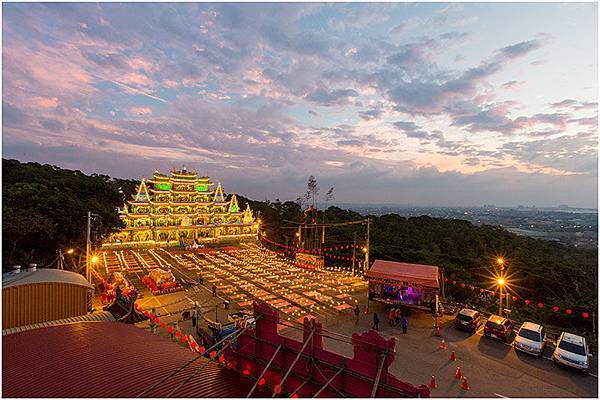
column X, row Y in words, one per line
column 409, row 103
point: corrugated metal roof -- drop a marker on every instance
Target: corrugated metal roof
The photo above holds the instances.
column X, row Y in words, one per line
column 426, row 275
column 97, row 317
column 107, row 359
column 45, row 275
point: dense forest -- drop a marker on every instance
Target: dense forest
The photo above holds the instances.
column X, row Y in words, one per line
column 44, row 209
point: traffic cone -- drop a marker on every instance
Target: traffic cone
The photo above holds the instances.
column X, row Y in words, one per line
column 432, row 384
column 453, row 356
column 443, row 345
column 465, row 384
column 458, row 373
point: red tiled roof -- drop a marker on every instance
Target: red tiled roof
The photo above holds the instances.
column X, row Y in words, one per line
column 107, row 359
column 426, row 275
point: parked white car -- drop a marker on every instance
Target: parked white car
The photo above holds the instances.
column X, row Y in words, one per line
column 571, row 350
column 531, row 338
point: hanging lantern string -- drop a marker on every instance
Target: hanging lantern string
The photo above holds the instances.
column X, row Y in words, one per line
column 318, row 251
column 568, row 311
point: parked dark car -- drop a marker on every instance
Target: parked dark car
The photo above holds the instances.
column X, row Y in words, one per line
column 468, row 320
column 498, row 328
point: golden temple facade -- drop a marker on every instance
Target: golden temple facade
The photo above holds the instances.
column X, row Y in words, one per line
column 182, row 208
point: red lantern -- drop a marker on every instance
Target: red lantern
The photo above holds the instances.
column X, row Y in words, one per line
column 445, row 279
column 480, row 290
column 462, row 285
column 527, row 302
column 177, row 334
column 246, row 372
column 151, row 316
column 555, row 308
column 164, row 325
column 569, row 311
column 295, row 396
column 201, row 349
column 146, row 313
column 261, row 381
column 540, row 305
column 492, row 293
column 157, row 320
column 221, row 358
column 170, row 330
column 585, row 315
column 514, row 298
column 184, row 339
column 454, row 282
column 212, row 354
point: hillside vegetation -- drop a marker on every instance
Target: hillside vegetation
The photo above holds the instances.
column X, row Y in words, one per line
column 44, row 208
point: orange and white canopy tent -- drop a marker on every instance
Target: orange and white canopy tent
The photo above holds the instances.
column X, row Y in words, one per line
column 404, row 273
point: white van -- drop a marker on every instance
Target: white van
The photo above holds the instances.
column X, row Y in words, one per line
column 571, row 350
column 531, row 339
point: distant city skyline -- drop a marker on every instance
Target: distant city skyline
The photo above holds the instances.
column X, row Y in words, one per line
column 429, row 104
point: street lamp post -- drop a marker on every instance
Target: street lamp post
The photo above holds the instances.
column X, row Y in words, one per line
column 501, row 284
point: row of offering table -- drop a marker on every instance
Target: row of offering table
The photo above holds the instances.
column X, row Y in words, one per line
column 252, row 272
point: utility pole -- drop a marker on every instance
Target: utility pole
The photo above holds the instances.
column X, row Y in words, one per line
column 61, row 259
column 500, row 302
column 354, row 255
column 368, row 244
column 88, row 246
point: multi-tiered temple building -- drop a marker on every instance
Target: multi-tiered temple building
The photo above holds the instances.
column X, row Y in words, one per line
column 182, row 208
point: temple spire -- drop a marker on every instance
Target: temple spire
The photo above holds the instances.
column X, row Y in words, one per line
column 219, row 197
column 248, row 218
column 233, row 204
column 142, row 193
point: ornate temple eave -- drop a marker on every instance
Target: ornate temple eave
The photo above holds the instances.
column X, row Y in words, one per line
column 180, row 227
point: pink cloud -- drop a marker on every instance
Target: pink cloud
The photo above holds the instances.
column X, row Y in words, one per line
column 45, row 102
column 140, row 111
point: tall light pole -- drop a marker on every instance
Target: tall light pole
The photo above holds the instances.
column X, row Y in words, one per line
column 368, row 246
column 501, row 283
column 88, row 246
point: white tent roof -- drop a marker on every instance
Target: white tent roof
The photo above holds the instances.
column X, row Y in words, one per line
column 44, row 275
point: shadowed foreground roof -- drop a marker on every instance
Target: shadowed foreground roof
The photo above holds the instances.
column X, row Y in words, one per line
column 106, row 359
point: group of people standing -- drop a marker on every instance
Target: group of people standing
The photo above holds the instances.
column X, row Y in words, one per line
column 395, row 318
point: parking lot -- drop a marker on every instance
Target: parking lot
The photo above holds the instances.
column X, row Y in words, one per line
column 493, row 367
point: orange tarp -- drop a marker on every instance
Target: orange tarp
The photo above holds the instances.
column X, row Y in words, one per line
column 425, row 275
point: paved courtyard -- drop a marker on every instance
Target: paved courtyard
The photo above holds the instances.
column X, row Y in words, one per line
column 493, row 368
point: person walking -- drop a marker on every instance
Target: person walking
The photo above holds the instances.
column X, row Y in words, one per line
column 404, row 322
column 391, row 316
column 375, row 321
column 214, row 290
column 397, row 316
column 356, row 314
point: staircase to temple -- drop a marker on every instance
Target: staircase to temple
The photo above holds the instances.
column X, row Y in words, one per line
column 131, row 262
column 148, row 261
column 111, row 262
